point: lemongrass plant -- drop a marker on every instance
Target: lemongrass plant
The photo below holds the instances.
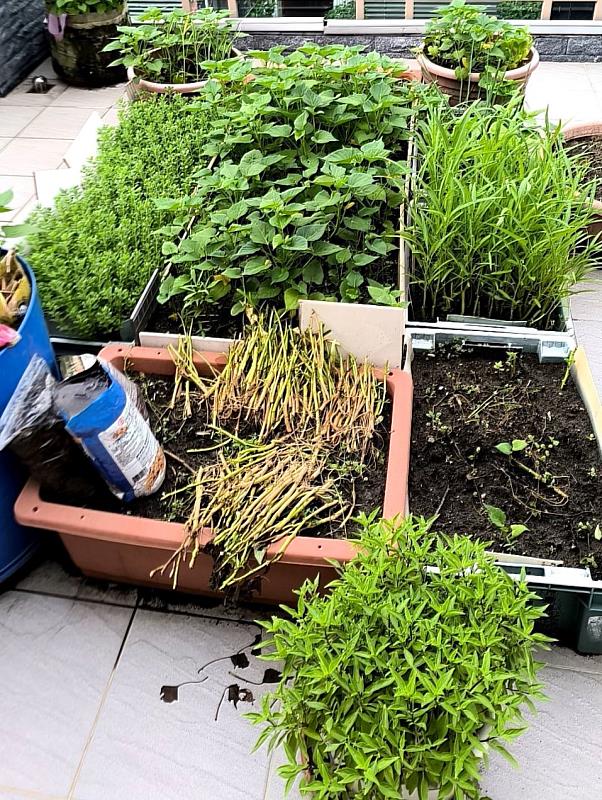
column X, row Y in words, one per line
column 497, row 218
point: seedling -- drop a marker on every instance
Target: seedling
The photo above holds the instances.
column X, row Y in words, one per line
column 498, row 518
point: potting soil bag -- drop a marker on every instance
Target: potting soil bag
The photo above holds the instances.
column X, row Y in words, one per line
column 32, row 429
column 104, row 412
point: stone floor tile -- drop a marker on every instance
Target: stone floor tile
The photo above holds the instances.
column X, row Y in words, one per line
column 25, row 156
column 15, row 118
column 4, row 140
column 587, row 304
column 181, row 603
column 21, row 96
column 90, row 98
column 147, row 749
column 589, row 336
column 57, row 123
column 23, row 190
column 559, row 756
column 57, row 658
column 276, row 785
column 6, row 793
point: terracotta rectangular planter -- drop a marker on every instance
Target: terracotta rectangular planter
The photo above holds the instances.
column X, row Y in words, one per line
column 126, row 548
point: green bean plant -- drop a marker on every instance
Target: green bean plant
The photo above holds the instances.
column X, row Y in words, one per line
column 304, row 200
column 95, row 249
column 463, row 37
column 174, row 46
column 400, row 679
column 497, row 218
column 72, row 7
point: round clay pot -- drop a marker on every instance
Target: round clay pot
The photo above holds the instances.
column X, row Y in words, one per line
column 469, row 89
column 78, row 58
column 573, row 133
column 142, row 84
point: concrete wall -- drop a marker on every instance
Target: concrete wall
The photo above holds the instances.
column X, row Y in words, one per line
column 552, row 47
column 22, row 43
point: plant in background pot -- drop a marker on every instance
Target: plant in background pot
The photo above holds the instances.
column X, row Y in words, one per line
column 585, row 140
column 79, row 30
column 168, row 50
column 398, row 682
column 470, row 54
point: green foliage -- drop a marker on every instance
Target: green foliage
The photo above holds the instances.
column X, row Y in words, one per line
column 497, row 218
column 10, row 230
column 174, row 47
column 83, row 6
column 257, row 8
column 498, row 518
column 342, row 11
column 304, row 199
column 413, row 666
column 464, row 38
column 94, row 251
column 519, row 9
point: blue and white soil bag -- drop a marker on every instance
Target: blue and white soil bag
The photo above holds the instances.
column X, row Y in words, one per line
column 102, row 410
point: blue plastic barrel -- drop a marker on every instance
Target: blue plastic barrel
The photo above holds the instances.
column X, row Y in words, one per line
column 17, row 544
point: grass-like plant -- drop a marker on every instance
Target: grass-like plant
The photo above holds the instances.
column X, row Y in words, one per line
column 406, row 673
column 93, row 252
column 172, row 47
column 497, row 218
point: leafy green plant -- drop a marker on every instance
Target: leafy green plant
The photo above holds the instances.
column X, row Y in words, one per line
column 466, row 39
column 519, row 9
column 10, row 230
column 83, row 6
column 94, row 251
column 406, row 673
column 257, row 8
column 304, row 199
column 497, row 218
column 342, row 11
column 497, row 517
column 175, row 46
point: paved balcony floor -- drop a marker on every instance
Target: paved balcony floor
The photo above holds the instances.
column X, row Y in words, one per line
column 87, row 667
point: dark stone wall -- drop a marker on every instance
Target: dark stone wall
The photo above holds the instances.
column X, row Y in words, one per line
column 552, row 47
column 22, row 42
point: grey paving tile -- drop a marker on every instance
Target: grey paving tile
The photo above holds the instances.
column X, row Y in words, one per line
column 6, row 793
column 276, row 785
column 178, row 602
column 25, row 156
column 53, row 577
column 57, row 657
column 145, row 749
column 90, row 98
column 587, row 304
column 589, row 336
column 4, row 140
column 21, row 96
column 559, row 756
column 57, row 123
column 14, row 118
column 23, row 189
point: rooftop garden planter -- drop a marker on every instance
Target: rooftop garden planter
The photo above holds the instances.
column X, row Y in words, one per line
column 494, row 232
column 585, row 139
column 77, row 40
column 509, row 451
column 167, row 51
column 127, row 547
column 470, row 54
column 415, row 665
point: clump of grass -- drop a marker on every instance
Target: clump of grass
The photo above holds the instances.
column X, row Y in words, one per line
column 497, row 218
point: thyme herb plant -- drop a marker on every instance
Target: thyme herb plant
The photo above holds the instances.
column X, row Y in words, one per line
column 415, row 664
column 497, row 218
column 95, row 249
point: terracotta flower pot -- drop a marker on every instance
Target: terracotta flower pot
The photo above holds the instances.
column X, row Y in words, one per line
column 582, row 131
column 126, row 548
column 469, row 89
column 162, row 88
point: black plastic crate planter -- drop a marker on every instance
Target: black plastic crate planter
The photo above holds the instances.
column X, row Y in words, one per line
column 573, row 596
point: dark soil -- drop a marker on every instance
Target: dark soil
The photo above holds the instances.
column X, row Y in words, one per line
column 465, row 404
column 178, row 437
column 590, row 148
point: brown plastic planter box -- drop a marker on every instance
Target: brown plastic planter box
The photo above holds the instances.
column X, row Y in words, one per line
column 126, row 548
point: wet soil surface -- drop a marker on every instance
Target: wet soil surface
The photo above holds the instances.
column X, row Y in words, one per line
column 590, row 147
column 465, row 405
column 180, row 436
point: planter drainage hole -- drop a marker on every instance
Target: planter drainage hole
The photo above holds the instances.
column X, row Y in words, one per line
column 34, row 509
column 83, row 516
